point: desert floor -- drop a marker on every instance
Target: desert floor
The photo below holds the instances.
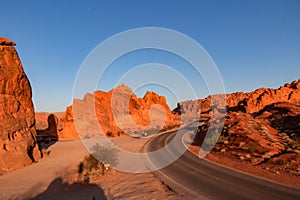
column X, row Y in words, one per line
column 55, row 177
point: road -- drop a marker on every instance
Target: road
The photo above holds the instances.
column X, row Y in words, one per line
column 196, row 178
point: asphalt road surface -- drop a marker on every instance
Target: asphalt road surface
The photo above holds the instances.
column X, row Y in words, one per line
column 196, row 178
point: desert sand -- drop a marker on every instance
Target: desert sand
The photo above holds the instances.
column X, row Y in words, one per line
column 55, row 177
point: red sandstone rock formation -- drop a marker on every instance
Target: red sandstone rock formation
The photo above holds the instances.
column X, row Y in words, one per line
column 259, row 127
column 68, row 131
column 118, row 111
column 18, row 145
column 250, row 102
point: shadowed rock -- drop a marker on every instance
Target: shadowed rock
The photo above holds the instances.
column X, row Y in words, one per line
column 50, row 134
column 6, row 42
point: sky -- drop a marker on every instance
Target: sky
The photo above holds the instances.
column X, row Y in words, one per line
column 253, row 43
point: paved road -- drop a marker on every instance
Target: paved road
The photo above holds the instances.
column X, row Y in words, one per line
column 195, row 178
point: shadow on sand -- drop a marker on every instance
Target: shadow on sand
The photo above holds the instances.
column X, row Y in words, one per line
column 60, row 190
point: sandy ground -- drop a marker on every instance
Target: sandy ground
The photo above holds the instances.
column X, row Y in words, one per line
column 120, row 185
column 35, row 178
column 54, row 177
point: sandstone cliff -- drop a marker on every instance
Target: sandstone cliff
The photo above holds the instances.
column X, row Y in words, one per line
column 250, row 102
column 18, row 145
column 118, row 111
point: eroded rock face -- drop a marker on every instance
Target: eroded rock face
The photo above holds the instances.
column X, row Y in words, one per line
column 18, row 145
column 118, row 111
column 245, row 102
column 260, row 127
column 68, row 131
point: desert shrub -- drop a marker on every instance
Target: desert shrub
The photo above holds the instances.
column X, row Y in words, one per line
column 281, row 161
column 105, row 154
column 102, row 155
column 120, row 133
column 216, row 137
column 151, row 131
column 169, row 127
column 223, row 138
column 109, row 134
column 86, row 137
column 211, row 140
column 91, row 163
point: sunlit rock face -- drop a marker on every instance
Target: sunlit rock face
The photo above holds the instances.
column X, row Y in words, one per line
column 250, row 102
column 18, row 146
column 117, row 111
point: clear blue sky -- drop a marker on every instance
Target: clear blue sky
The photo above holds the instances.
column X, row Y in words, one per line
column 254, row 43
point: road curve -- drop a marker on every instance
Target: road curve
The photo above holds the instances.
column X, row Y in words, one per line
column 196, row 178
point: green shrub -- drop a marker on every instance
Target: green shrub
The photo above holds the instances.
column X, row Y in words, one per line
column 212, row 140
column 223, row 138
column 216, row 137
